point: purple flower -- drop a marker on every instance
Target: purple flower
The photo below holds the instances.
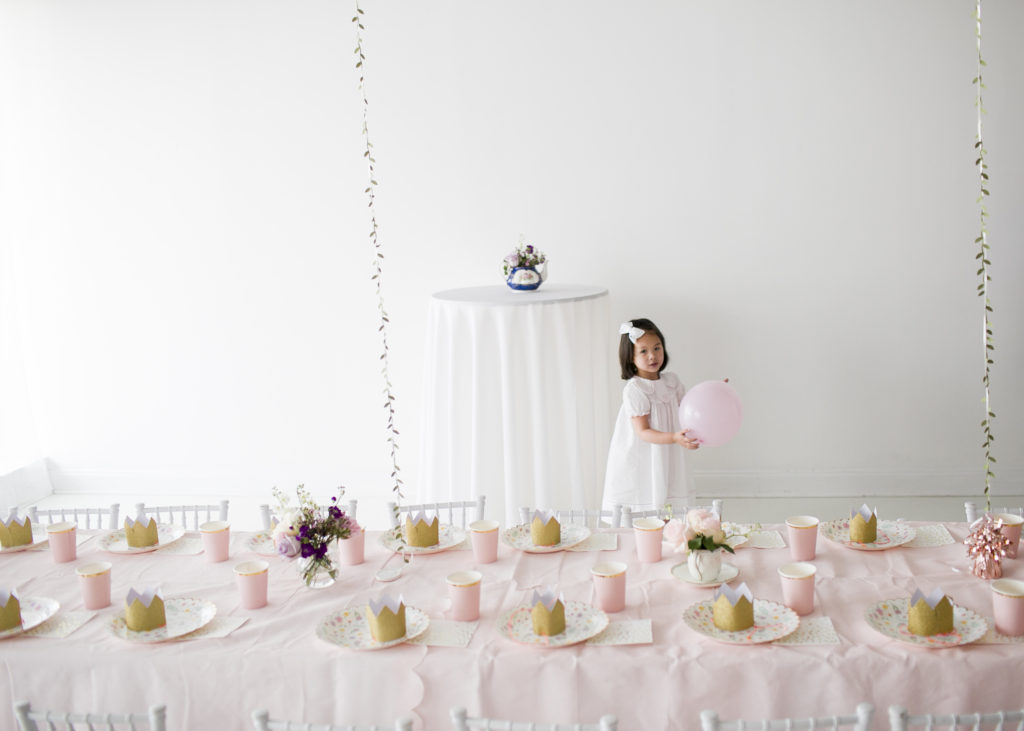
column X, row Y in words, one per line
column 287, row 546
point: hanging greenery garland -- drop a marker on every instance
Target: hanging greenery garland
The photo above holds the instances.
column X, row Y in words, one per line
column 378, row 266
column 985, row 264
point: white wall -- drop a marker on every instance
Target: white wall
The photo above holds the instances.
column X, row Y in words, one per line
column 786, row 188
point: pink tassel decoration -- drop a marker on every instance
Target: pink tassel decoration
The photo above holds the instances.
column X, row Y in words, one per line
column 986, row 546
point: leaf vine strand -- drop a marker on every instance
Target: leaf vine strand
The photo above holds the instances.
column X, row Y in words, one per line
column 378, row 264
column 985, row 263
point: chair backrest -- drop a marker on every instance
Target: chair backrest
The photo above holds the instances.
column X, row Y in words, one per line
column 261, row 719
column 596, row 519
column 900, row 720
column 629, row 514
column 83, row 517
column 155, row 720
column 458, row 512
column 859, row 721
column 461, row 721
column 266, row 519
column 189, row 516
column 971, row 512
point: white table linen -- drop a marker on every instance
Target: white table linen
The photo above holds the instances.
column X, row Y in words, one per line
column 516, row 397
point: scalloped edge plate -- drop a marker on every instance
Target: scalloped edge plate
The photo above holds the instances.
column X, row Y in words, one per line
column 582, row 621
column 448, row 536
column 889, row 618
column 40, row 538
column 261, row 544
column 34, row 611
column 682, row 572
column 350, row 628
column 518, row 537
column 772, row 621
column 166, row 533
column 184, row 615
column 890, row 534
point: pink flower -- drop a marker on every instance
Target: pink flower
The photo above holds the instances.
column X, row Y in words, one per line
column 287, row 546
column 675, row 532
column 703, row 522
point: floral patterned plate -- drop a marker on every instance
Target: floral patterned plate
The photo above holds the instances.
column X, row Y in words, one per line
column 350, row 628
column 184, row 615
column 682, row 572
column 890, row 534
column 448, row 536
column 890, row 618
column 772, row 621
column 34, row 611
column 582, row 622
column 261, row 543
column 166, row 533
column 518, row 537
column 39, row 539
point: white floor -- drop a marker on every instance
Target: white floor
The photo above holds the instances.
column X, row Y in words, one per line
column 244, row 511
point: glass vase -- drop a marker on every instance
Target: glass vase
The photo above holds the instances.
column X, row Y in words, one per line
column 316, row 573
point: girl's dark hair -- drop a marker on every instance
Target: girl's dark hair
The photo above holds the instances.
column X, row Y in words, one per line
column 626, row 348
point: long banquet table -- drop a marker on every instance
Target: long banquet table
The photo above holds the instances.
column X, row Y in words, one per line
column 276, row 661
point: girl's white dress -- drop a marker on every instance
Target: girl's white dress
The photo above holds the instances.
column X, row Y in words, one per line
column 641, row 474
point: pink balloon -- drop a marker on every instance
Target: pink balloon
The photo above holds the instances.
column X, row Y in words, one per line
column 712, row 413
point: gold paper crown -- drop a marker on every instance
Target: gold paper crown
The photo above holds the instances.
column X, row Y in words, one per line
column 15, row 532
column 139, row 533
column 10, row 610
column 145, row 611
column 930, row 615
column 418, row 532
column 545, row 529
column 863, row 525
column 733, row 609
column 547, row 614
column 386, row 617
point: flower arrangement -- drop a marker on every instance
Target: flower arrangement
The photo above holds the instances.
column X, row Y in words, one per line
column 700, row 531
column 308, row 530
column 524, row 255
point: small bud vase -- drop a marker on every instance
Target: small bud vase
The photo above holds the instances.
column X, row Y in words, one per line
column 704, row 565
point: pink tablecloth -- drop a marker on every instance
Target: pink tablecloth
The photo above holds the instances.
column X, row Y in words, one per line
column 275, row 661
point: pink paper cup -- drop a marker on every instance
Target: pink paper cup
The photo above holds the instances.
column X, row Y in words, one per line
column 251, row 578
column 464, row 591
column 803, row 537
column 216, row 537
column 63, row 538
column 352, row 550
column 798, row 586
column 94, row 578
column 610, row 585
column 648, row 534
column 1008, row 606
column 1011, row 529
column 483, row 534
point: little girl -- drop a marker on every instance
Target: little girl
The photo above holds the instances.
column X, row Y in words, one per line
column 646, row 461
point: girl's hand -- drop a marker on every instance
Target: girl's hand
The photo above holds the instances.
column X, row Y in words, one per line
column 684, row 441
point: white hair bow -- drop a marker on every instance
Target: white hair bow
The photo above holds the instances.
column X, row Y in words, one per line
column 634, row 333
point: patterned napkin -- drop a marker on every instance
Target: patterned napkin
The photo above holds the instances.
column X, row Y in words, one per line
column 184, row 546
column 217, row 628
column 446, row 633
column 994, row 638
column 812, row 631
column 61, row 625
column 598, row 542
column 756, row 537
column 929, row 536
column 626, row 632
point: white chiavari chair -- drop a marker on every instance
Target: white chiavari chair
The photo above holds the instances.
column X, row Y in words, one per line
column 458, row 512
column 461, row 721
column 30, row 720
column 188, row 516
column 860, row 720
column 88, row 518
column 901, row 720
column 261, row 719
column 629, row 514
column 595, row 519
